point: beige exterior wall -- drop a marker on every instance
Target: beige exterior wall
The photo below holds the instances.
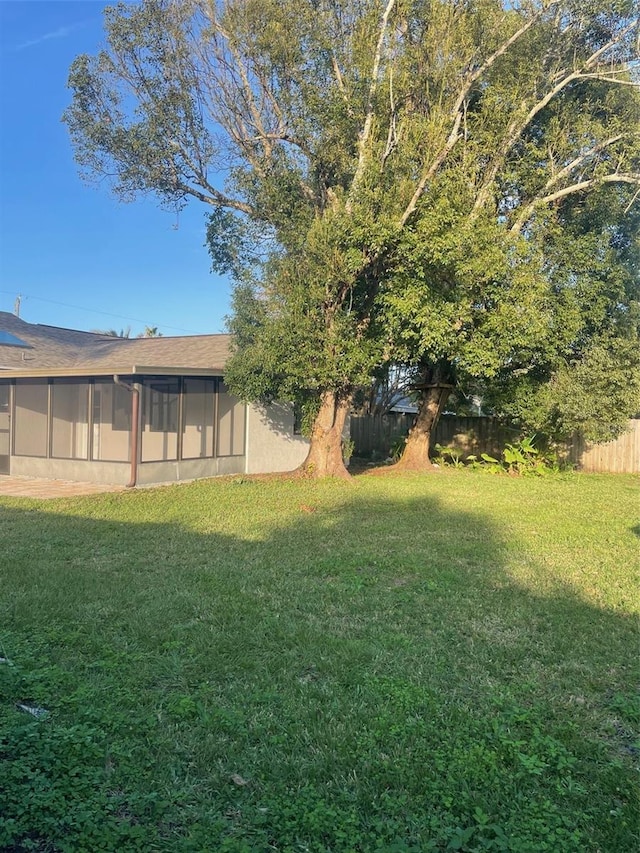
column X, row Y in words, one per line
column 271, row 444
column 5, row 430
column 111, row 444
column 231, row 424
column 118, row 473
column 70, row 420
column 81, row 470
column 188, row 469
column 158, row 445
column 30, row 416
column 198, row 430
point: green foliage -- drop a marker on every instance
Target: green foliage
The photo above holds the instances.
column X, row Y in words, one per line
column 449, row 456
column 232, row 244
column 397, row 447
column 113, row 333
column 524, row 458
column 583, row 373
column 290, row 342
column 400, row 183
column 599, row 393
column 521, row 457
column 347, row 450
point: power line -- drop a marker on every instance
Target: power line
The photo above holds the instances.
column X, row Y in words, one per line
column 25, row 296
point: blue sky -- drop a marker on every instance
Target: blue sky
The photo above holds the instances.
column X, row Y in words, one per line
column 75, row 253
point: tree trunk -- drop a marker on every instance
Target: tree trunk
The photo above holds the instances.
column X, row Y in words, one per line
column 416, row 451
column 325, row 457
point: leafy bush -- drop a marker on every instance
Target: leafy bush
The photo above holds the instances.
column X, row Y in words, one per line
column 397, row 447
column 448, row 456
column 521, row 457
column 348, row 446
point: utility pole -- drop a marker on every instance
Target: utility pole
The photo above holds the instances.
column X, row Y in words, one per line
column 16, row 305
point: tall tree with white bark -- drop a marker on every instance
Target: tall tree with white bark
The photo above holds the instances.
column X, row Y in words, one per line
column 556, row 120
column 327, row 136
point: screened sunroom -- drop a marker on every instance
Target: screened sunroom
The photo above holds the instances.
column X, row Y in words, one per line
column 151, row 428
column 91, row 407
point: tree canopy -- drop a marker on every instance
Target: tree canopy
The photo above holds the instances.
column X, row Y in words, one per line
column 381, row 175
column 583, row 373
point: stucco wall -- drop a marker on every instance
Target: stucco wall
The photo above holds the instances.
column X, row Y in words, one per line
column 188, row 469
column 271, row 444
column 119, row 472
column 71, row 469
column 111, row 444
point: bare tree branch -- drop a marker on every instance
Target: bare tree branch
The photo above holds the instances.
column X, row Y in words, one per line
column 517, row 127
column 215, row 198
column 433, row 168
column 592, row 60
column 582, row 158
column 609, row 78
column 613, row 178
column 497, row 161
column 457, row 111
column 392, row 136
column 485, row 190
column 373, row 86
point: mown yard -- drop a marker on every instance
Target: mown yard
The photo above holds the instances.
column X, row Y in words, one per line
column 440, row 662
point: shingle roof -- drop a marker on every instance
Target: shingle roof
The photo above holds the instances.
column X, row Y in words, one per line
column 57, row 351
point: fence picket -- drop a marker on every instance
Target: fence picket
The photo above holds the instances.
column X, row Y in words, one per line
column 376, row 434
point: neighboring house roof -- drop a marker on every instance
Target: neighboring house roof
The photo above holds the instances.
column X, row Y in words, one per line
column 52, row 351
column 405, row 406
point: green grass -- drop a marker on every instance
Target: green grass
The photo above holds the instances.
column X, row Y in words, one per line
column 440, row 662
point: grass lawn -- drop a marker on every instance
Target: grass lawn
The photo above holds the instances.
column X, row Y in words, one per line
column 438, row 662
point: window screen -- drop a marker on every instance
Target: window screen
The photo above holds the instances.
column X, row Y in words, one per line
column 231, row 423
column 111, row 422
column 70, row 419
column 198, row 412
column 160, row 421
column 31, row 422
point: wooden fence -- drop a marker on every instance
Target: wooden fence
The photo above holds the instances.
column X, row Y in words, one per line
column 621, row 456
column 376, row 437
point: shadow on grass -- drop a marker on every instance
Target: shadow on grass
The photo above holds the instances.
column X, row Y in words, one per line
column 355, row 674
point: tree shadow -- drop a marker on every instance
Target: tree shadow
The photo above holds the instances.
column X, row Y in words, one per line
column 342, row 673
column 279, row 418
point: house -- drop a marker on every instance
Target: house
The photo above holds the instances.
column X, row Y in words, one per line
column 90, row 407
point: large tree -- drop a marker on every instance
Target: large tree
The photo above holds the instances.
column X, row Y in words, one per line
column 583, row 374
column 326, row 136
column 492, row 254
column 546, row 331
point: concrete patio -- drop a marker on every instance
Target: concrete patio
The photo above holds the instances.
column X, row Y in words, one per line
column 32, row 487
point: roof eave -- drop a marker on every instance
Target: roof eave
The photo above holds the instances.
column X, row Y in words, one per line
column 109, row 370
